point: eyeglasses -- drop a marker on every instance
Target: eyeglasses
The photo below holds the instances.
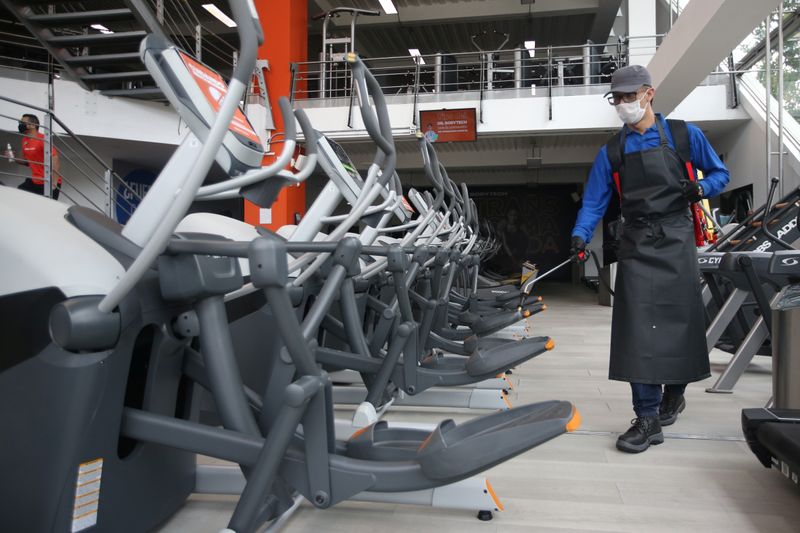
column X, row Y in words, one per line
column 617, row 98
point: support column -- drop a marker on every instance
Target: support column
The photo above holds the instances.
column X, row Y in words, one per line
column 285, row 26
column 642, row 31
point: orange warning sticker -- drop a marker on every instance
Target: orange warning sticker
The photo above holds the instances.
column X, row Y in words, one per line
column 87, row 495
column 214, row 88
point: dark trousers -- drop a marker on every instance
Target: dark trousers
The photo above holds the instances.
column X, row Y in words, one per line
column 38, row 188
column 647, row 397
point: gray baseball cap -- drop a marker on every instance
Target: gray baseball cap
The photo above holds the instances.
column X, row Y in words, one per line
column 629, row 79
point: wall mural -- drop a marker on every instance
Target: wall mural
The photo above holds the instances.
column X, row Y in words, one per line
column 533, row 223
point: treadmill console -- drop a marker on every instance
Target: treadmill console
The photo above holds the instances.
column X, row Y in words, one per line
column 786, row 262
column 709, row 261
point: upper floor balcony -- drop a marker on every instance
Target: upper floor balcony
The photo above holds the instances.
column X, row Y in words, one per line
column 552, row 89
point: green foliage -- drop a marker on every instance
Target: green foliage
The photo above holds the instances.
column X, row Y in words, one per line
column 791, row 61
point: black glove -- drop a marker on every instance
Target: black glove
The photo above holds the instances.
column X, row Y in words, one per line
column 578, row 249
column 692, row 191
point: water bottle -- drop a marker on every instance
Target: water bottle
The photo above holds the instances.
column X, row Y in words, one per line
column 9, row 153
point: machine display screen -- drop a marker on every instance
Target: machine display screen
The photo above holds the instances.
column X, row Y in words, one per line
column 356, row 183
column 214, row 89
column 345, row 160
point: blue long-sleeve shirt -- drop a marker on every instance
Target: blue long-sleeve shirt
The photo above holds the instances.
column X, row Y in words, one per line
column 597, row 192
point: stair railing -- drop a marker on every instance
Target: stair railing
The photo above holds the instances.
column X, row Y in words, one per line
column 118, row 196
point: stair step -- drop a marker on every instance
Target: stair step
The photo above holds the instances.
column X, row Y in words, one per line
column 103, row 59
column 145, row 93
column 97, row 38
column 87, row 17
column 115, row 76
column 54, row 2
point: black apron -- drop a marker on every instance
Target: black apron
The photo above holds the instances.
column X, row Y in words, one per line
column 658, row 324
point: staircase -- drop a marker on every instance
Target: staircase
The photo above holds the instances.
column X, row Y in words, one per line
column 96, row 42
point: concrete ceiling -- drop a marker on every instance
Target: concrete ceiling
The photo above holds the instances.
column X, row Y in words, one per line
column 448, row 25
column 436, row 11
column 430, row 25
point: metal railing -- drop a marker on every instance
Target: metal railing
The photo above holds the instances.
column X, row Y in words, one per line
column 470, row 71
column 81, row 175
column 181, row 23
column 21, row 50
column 542, row 67
column 543, row 71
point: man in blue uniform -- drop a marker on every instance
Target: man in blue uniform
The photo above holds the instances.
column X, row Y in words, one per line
column 658, row 326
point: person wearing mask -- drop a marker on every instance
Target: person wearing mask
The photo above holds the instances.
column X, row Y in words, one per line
column 33, row 157
column 658, row 340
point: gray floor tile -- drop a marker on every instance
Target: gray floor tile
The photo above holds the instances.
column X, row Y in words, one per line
column 580, row 482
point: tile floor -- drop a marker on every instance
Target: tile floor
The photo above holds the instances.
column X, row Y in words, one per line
column 702, row 478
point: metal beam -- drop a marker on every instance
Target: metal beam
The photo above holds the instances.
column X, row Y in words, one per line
column 604, row 20
column 700, row 39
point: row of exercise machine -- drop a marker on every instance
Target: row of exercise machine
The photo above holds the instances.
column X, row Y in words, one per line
column 137, row 348
column 752, row 298
column 740, row 286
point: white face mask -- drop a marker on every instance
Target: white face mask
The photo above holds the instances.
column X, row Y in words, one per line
column 631, row 113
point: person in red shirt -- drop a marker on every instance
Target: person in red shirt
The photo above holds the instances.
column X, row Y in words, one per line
column 33, row 157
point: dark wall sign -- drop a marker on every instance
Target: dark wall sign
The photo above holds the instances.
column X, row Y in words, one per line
column 533, row 224
column 139, row 181
column 449, row 125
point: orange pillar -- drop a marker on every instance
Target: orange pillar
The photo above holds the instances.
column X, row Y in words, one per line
column 285, row 25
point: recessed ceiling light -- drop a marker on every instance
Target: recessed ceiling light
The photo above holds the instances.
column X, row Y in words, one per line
column 416, row 55
column 219, row 15
column 101, row 28
column 531, row 47
column 388, row 7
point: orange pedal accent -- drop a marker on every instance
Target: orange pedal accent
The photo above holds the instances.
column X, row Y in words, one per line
column 425, row 442
column 526, row 314
column 497, row 504
column 550, row 345
column 574, row 422
column 359, row 432
column 505, row 399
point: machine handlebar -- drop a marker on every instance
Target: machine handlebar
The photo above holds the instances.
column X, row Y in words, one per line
column 308, row 130
column 774, row 181
column 376, row 121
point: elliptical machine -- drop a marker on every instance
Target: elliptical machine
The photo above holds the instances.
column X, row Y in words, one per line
column 119, row 341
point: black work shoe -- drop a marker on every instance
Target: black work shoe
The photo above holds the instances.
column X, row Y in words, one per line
column 671, row 405
column 646, row 430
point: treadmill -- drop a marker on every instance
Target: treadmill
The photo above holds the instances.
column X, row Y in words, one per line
column 773, row 433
